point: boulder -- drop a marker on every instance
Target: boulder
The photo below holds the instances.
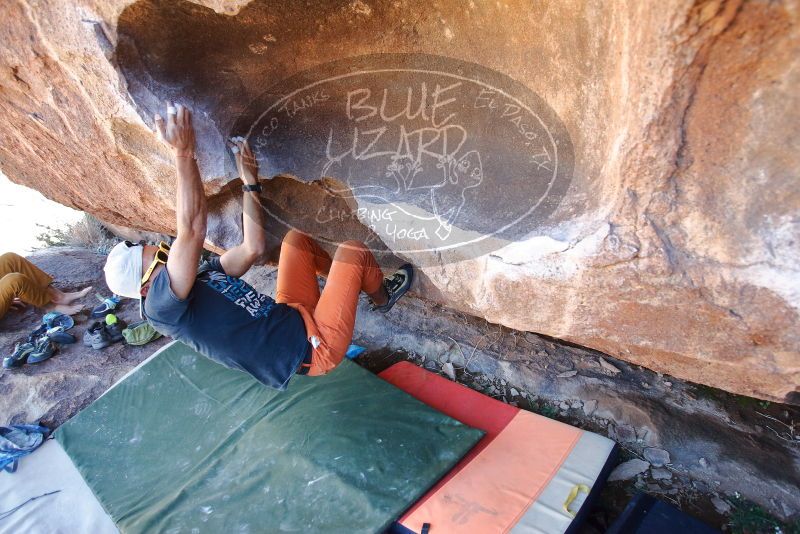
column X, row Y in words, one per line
column 622, row 176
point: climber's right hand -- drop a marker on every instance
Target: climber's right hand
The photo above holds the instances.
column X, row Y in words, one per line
column 178, row 131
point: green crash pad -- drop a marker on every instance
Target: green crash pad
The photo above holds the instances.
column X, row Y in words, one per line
column 187, row 445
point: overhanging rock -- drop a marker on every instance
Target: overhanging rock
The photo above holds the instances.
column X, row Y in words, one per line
column 622, row 177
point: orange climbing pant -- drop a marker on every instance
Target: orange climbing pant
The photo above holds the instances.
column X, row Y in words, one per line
column 330, row 317
column 21, row 279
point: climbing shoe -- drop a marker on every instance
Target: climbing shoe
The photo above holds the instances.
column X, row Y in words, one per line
column 106, row 306
column 58, row 335
column 114, row 327
column 396, row 286
column 96, row 336
column 19, row 356
column 54, row 319
column 36, row 334
column 43, row 350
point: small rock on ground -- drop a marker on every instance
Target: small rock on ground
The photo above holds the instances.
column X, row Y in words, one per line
column 589, row 407
column 628, row 470
column 659, row 473
column 448, row 369
column 721, row 506
column 607, row 366
column 657, row 457
column 622, row 433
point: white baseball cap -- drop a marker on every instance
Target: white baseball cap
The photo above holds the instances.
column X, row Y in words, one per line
column 124, row 270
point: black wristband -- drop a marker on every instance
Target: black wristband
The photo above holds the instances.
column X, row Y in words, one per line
column 255, row 187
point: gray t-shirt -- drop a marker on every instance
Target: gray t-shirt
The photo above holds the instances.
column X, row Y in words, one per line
column 227, row 320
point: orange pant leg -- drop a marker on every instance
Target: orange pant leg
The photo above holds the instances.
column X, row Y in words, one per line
column 330, row 317
column 21, row 279
column 14, row 263
column 301, row 260
column 354, row 269
column 18, row 285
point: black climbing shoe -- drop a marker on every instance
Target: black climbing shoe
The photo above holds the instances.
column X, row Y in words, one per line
column 19, row 356
column 115, row 331
column 396, row 286
column 97, row 336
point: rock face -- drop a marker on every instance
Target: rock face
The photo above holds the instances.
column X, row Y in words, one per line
column 621, row 177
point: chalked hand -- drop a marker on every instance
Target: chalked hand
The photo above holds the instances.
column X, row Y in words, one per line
column 177, row 130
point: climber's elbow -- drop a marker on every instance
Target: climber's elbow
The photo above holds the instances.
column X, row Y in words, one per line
column 192, row 229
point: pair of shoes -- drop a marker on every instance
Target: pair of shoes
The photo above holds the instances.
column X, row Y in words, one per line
column 104, row 333
column 396, row 286
column 106, row 306
column 42, row 344
column 31, row 352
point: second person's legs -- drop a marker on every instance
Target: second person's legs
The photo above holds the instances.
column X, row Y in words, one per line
column 14, row 263
column 40, row 282
column 18, row 285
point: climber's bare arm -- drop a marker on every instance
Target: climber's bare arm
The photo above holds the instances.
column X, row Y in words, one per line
column 190, row 202
column 239, row 259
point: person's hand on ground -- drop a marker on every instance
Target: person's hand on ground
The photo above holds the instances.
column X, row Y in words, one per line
column 18, row 305
column 177, row 131
column 246, row 161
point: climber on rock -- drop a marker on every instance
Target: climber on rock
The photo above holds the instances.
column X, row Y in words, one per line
column 221, row 316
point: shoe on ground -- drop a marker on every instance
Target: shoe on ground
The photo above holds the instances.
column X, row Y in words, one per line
column 106, row 306
column 36, row 334
column 54, row 319
column 115, row 331
column 396, row 286
column 96, row 336
column 43, row 350
column 19, row 356
column 58, row 335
